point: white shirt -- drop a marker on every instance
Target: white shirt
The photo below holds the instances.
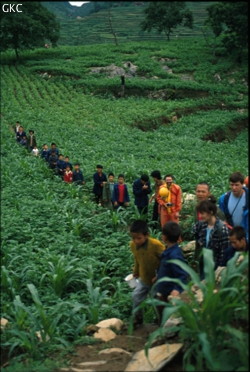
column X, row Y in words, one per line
column 35, row 152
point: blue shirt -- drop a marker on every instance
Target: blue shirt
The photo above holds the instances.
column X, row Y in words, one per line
column 141, row 195
column 235, row 207
column 209, row 229
column 78, row 177
column 171, row 270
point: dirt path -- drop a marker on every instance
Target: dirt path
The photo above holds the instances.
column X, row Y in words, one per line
column 117, row 361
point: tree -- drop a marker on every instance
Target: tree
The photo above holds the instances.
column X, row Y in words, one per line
column 229, row 22
column 32, row 27
column 165, row 16
column 111, row 27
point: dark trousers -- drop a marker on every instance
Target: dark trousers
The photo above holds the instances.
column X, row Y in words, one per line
column 120, row 205
column 155, row 216
column 160, row 308
column 143, row 210
column 98, row 198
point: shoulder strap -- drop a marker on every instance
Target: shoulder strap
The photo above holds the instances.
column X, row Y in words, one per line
column 225, row 202
column 246, row 192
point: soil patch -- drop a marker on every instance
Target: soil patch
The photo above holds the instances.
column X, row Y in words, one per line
column 118, row 361
column 162, row 94
column 152, row 124
column 228, row 133
column 219, row 135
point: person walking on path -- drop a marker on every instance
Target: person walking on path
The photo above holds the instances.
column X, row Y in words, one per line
column 78, row 177
column 202, row 192
column 234, row 203
column 211, row 233
column 169, row 211
column 120, row 196
column 16, row 127
column 171, row 234
column 107, row 192
column 99, row 177
column 68, row 175
column 53, row 148
column 31, row 140
column 141, row 190
column 156, row 175
column 21, row 135
column 146, row 253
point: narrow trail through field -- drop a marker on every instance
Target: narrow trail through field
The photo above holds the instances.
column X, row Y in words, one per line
column 94, row 357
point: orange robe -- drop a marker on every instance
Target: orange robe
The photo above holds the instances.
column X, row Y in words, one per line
column 169, row 213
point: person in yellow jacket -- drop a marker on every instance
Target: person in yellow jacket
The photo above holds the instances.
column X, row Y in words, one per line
column 146, row 252
column 170, row 203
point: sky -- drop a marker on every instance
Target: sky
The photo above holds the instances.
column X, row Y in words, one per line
column 77, row 3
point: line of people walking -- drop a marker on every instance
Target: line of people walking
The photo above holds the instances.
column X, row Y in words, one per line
column 152, row 257
column 213, row 223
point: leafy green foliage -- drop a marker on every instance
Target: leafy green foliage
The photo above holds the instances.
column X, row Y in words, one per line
column 215, row 326
column 165, row 16
column 229, row 21
column 30, row 28
column 61, row 253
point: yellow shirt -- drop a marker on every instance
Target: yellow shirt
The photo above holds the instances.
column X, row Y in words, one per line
column 147, row 259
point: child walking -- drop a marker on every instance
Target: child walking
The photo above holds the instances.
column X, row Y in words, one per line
column 99, row 178
column 35, row 151
column 147, row 252
column 44, row 152
column 78, row 177
column 171, row 234
column 120, row 195
column 31, row 140
column 107, row 192
column 68, row 175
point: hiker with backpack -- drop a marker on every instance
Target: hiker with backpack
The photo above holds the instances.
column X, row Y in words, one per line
column 212, row 233
column 234, row 203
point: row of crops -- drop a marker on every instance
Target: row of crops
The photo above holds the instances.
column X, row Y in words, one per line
column 63, row 257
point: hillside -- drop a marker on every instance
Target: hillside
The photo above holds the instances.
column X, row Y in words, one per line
column 89, row 23
column 184, row 112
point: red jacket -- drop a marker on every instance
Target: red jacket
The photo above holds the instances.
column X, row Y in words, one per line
column 68, row 176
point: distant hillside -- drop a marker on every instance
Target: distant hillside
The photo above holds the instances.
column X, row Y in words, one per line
column 64, row 9
column 89, row 23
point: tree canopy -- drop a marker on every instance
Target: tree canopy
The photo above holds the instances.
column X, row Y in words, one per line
column 165, row 16
column 32, row 27
column 229, row 21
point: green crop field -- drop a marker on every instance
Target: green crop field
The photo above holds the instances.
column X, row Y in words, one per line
column 64, row 259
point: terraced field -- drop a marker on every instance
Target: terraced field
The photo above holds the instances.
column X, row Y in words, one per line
column 126, row 21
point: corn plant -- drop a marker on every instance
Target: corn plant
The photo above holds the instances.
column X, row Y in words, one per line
column 208, row 328
column 19, row 336
column 118, row 218
column 8, row 282
column 97, row 300
column 46, row 325
column 63, row 274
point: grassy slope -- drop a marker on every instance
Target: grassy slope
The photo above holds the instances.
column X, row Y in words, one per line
column 45, row 219
column 94, row 28
column 129, row 110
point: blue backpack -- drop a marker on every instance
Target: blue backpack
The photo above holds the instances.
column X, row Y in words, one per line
column 223, row 204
